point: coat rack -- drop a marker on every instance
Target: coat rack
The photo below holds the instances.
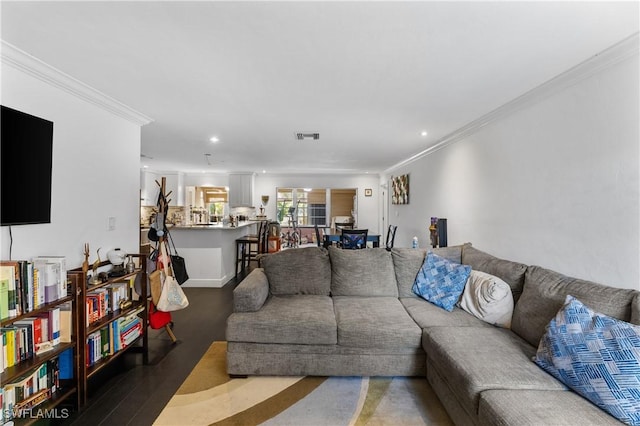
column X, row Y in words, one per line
column 163, row 210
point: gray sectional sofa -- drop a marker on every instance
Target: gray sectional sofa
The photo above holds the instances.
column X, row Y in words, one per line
column 335, row 312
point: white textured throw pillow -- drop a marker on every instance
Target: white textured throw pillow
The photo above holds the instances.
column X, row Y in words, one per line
column 488, row 298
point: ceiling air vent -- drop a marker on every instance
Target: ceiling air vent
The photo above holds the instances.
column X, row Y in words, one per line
column 304, row 136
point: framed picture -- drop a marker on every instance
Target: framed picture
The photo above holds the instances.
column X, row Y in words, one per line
column 368, row 192
column 400, row 189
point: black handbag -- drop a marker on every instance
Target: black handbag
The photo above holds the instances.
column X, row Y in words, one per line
column 178, row 264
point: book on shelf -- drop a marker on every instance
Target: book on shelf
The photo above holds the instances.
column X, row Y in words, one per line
column 5, row 277
column 66, row 323
column 9, row 281
column 65, row 363
column 9, row 346
column 59, row 270
column 26, row 284
column 52, row 319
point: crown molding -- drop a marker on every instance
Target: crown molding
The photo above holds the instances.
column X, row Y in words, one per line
column 619, row 52
column 20, row 60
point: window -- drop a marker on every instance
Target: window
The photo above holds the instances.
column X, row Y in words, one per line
column 284, row 200
column 315, row 206
column 214, row 199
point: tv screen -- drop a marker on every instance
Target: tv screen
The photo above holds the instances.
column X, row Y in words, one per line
column 25, row 168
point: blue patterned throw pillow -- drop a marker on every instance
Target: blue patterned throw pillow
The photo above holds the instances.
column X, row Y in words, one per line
column 595, row 355
column 441, row 281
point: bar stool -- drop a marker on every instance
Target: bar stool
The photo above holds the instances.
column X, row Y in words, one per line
column 262, row 246
column 243, row 247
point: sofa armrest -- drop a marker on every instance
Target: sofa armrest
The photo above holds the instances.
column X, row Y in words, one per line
column 252, row 292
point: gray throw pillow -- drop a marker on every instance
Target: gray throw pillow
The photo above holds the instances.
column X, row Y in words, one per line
column 298, row 271
column 363, row 272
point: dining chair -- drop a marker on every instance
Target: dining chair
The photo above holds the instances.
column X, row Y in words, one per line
column 354, row 238
column 391, row 236
column 318, row 238
column 344, row 225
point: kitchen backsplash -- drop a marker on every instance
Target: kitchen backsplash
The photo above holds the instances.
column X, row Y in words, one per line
column 176, row 215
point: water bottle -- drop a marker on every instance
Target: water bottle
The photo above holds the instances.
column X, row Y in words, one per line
column 414, row 243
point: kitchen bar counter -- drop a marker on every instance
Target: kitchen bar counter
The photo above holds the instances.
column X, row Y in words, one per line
column 209, row 251
column 214, row 226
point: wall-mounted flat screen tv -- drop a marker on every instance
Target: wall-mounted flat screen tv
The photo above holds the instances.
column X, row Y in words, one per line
column 25, row 168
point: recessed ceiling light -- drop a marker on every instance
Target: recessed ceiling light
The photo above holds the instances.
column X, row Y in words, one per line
column 423, row 133
column 214, row 139
column 264, row 171
column 145, row 166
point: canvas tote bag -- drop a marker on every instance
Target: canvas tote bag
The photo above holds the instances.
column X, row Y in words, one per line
column 172, row 298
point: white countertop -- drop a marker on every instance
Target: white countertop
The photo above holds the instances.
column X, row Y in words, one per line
column 217, row 226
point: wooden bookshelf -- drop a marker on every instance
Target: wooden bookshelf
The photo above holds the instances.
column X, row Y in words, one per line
column 139, row 308
column 68, row 389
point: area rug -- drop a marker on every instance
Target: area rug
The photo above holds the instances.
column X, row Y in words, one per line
column 209, row 397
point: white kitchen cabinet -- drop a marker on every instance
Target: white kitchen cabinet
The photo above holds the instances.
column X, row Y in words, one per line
column 241, row 189
column 175, row 185
column 149, row 189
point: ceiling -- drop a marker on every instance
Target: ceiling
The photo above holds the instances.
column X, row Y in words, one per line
column 369, row 77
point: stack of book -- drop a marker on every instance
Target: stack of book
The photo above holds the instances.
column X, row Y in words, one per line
column 113, row 338
column 104, row 301
column 27, row 285
column 35, row 335
column 30, row 390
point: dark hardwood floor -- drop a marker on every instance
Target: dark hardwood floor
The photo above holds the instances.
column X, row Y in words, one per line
column 134, row 394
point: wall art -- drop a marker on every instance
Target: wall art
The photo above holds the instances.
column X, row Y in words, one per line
column 400, row 189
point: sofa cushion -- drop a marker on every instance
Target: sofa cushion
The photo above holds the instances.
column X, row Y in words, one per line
column 534, row 407
column 426, row 314
column 440, row 281
column 510, row 272
column 252, row 292
column 408, row 261
column 364, row 272
column 300, row 319
column 375, row 322
column 298, row 271
column 488, row 298
column 595, row 355
column 545, row 292
column 473, row 359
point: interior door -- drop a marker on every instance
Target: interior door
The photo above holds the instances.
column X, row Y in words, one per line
column 384, row 192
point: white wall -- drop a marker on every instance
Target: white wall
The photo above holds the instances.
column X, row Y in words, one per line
column 96, row 162
column 555, row 183
column 368, row 207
